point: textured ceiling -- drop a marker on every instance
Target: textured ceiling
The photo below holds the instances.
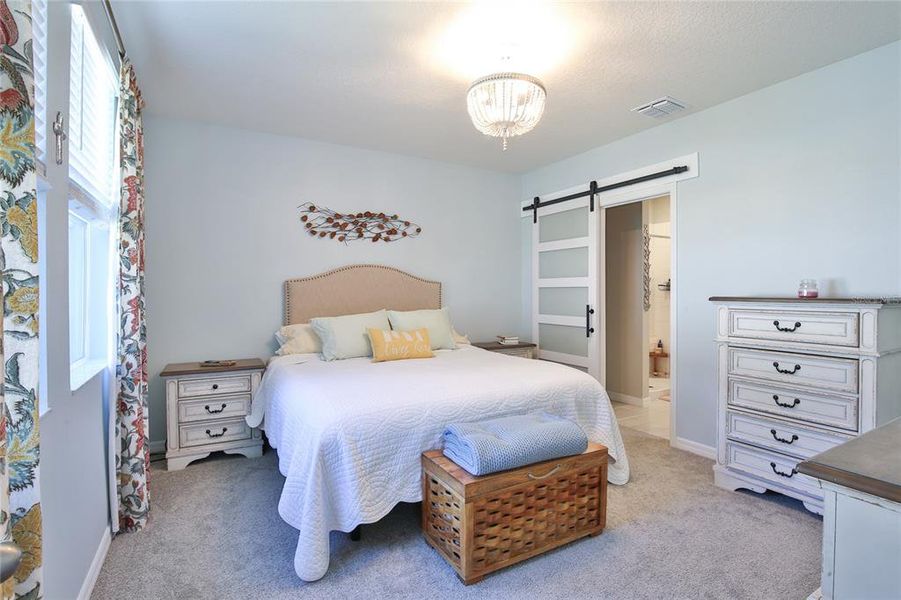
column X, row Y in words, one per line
column 393, row 76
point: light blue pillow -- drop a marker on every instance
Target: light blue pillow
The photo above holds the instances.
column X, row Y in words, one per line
column 441, row 333
column 346, row 337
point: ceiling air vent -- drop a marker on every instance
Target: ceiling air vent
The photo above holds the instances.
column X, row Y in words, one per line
column 660, row 108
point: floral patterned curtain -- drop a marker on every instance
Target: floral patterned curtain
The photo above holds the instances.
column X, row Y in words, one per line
column 133, row 455
column 20, row 508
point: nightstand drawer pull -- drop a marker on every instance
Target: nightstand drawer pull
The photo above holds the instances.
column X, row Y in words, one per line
column 216, row 435
column 215, row 386
column 786, row 404
column 215, row 411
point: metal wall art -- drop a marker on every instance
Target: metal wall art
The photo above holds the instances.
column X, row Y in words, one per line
column 323, row 222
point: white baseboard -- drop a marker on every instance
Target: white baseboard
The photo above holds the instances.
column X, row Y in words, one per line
column 157, row 447
column 626, row 399
column 695, row 448
column 87, row 587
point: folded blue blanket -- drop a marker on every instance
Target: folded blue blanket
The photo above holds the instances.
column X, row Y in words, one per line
column 511, row 442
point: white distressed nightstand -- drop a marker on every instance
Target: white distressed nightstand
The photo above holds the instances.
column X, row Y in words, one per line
column 523, row 349
column 205, row 410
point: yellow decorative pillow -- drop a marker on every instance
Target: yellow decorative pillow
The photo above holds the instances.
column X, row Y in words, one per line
column 398, row 345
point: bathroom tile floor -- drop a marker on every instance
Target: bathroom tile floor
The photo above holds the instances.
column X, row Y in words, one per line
column 652, row 419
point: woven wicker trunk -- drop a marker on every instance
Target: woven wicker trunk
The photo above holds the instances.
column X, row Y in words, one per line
column 482, row 524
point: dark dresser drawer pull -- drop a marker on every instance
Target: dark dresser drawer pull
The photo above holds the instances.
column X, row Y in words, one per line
column 783, row 440
column 786, row 404
column 787, row 371
column 215, row 386
column 215, row 435
column 780, row 473
column 787, row 329
column 215, row 411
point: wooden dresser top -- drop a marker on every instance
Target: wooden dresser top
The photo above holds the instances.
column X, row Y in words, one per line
column 194, row 368
column 870, row 463
column 891, row 300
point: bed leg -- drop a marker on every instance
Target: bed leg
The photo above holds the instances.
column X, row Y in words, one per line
column 355, row 534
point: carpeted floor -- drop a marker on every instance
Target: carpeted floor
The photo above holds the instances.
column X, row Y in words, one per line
column 215, row 533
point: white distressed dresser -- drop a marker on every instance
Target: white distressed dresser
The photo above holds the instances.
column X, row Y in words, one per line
column 205, row 410
column 797, row 377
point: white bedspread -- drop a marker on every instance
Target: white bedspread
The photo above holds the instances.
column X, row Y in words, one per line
column 349, row 433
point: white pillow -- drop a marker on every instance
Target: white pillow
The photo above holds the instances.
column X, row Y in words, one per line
column 460, row 338
column 347, row 336
column 436, row 321
column 297, row 339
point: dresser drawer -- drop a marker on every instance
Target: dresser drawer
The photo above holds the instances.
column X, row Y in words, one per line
column 779, row 435
column 771, row 466
column 218, row 408
column 835, row 328
column 209, row 386
column 815, row 408
column 199, row 434
column 838, row 374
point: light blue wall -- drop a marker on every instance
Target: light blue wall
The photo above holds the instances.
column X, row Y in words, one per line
column 223, row 234
column 73, row 478
column 797, row 180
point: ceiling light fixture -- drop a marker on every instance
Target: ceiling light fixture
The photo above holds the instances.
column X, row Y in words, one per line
column 505, row 105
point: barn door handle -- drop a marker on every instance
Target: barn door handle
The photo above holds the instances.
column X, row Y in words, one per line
column 793, row 439
column 787, row 329
column 588, row 328
column 787, row 371
column 786, row 404
column 782, row 473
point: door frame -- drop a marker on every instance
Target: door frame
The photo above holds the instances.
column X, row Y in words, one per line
column 639, row 193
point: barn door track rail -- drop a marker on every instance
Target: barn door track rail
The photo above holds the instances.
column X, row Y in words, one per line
column 594, row 190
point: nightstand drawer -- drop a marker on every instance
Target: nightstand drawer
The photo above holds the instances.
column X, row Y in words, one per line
column 208, row 409
column 201, row 434
column 209, row 386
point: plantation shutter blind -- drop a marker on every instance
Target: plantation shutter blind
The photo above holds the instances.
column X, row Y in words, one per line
column 92, row 113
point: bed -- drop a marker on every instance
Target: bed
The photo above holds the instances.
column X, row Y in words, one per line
column 349, row 433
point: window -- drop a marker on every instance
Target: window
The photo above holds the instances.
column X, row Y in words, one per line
column 92, row 113
column 92, row 193
column 78, row 287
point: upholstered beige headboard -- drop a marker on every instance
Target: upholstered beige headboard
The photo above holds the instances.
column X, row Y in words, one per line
column 357, row 289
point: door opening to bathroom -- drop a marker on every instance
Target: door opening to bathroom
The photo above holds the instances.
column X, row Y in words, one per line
column 637, row 262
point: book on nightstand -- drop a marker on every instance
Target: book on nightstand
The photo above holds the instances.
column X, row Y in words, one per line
column 508, row 340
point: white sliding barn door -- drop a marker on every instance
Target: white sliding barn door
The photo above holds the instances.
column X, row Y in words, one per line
column 566, row 316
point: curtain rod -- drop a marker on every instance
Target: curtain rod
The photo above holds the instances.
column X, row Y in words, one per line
column 593, row 190
column 115, row 27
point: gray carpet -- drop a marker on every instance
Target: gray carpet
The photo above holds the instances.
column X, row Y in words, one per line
column 215, row 533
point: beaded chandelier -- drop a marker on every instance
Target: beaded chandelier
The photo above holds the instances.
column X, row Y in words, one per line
column 506, row 104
